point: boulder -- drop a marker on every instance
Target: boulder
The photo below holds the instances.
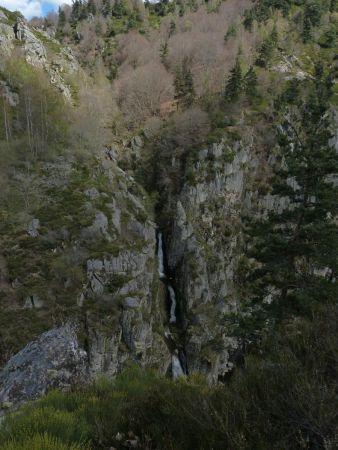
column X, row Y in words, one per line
column 33, row 227
column 53, row 360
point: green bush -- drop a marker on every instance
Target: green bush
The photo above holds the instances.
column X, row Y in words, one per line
column 41, row 442
column 65, row 425
column 284, row 397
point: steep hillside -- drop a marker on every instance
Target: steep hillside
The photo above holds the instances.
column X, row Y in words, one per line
column 168, row 199
column 77, row 233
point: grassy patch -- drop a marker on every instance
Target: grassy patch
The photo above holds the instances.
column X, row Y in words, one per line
column 282, row 397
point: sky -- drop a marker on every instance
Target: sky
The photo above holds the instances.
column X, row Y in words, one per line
column 31, row 8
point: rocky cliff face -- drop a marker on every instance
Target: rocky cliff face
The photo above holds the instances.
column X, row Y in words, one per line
column 39, row 49
column 94, row 266
column 80, row 292
column 205, row 250
column 77, row 247
column 54, row 360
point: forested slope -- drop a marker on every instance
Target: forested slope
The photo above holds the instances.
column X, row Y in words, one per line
column 169, row 201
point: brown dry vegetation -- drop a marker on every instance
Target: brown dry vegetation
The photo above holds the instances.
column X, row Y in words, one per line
column 142, row 75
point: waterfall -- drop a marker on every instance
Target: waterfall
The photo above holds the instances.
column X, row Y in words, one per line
column 172, row 296
column 164, row 278
column 176, row 366
column 160, row 255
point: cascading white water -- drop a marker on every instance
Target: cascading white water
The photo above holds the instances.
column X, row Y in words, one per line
column 161, row 271
column 172, row 296
column 160, row 255
column 176, row 366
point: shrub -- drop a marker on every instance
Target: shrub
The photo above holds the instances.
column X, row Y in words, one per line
column 41, row 442
column 285, row 396
column 62, row 424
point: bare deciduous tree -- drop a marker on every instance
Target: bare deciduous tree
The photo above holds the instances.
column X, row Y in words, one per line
column 141, row 94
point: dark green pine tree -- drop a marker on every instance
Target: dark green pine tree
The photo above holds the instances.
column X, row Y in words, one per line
column 61, row 22
column 248, row 19
column 79, row 11
column 119, row 9
column 234, row 84
column 76, row 10
column 91, row 7
column 290, row 95
column 164, row 50
column 250, row 83
column 312, row 16
column 297, row 247
column 184, row 84
column 333, row 5
column 307, row 28
column 172, row 27
column 267, row 49
column 106, row 8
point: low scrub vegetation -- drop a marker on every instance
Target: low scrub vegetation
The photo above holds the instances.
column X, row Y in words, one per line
column 284, row 396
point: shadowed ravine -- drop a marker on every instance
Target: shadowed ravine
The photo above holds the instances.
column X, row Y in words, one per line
column 178, row 367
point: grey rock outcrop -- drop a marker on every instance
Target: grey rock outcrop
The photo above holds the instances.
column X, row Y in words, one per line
column 39, row 50
column 55, row 359
column 126, row 281
column 205, row 249
column 94, row 254
column 19, row 29
column 33, row 301
column 10, row 97
column 33, row 228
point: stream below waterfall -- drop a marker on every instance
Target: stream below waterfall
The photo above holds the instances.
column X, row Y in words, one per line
column 177, row 368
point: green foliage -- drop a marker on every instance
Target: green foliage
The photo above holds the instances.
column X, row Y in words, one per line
column 42, row 442
column 267, row 48
column 46, row 420
column 61, row 23
column 106, row 8
column 291, row 93
column 263, row 10
column 11, row 15
column 184, row 84
column 172, row 28
column 329, row 38
column 297, row 257
column 284, row 396
column 39, row 127
column 91, row 7
column 120, row 9
column 232, row 32
column 164, row 50
column 234, row 84
column 79, row 11
column 250, row 83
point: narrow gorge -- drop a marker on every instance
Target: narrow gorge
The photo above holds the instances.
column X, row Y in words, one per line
column 168, row 225
column 178, row 358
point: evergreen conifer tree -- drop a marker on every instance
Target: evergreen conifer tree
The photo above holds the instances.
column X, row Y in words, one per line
column 79, row 11
column 306, row 32
column 61, row 22
column 297, row 247
column 267, row 49
column 119, row 9
column 91, row 7
column 164, row 49
column 234, row 84
column 76, row 10
column 250, row 83
column 184, row 84
column 106, row 8
column 333, row 5
column 172, row 28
